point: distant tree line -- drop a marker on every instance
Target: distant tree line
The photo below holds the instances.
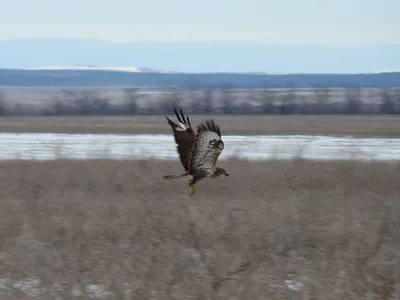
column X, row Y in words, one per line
column 224, row 99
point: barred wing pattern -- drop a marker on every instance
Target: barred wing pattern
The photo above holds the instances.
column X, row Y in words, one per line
column 207, row 148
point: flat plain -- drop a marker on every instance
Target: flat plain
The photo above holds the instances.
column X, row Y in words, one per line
column 273, row 229
column 384, row 126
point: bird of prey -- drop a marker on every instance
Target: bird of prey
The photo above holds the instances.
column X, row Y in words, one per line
column 199, row 152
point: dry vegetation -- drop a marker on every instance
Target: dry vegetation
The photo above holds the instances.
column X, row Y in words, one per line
column 275, row 125
column 333, row 226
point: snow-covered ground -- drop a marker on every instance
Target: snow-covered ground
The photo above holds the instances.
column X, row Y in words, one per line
column 58, row 68
column 34, row 289
column 48, row 146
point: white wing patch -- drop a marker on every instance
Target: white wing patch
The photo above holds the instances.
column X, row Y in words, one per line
column 181, row 127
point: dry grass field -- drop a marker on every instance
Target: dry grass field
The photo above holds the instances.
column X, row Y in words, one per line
column 333, row 228
column 230, row 125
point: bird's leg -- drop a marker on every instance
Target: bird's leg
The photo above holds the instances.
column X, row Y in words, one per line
column 194, row 189
column 192, row 184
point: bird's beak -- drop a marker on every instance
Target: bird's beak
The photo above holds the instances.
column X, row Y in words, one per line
column 226, row 174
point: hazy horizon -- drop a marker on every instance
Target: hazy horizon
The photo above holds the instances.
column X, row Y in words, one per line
column 307, row 22
column 200, row 57
column 285, row 36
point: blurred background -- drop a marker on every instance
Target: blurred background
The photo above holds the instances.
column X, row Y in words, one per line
column 307, row 95
column 227, row 57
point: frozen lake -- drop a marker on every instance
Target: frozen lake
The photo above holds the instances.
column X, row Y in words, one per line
column 47, row 146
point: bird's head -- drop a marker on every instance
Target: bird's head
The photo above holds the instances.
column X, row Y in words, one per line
column 220, row 171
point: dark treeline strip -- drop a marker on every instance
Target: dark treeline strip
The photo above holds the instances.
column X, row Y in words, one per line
column 289, row 101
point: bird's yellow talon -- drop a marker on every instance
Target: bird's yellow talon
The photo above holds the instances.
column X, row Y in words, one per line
column 193, row 190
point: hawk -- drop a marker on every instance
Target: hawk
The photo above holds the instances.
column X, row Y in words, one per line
column 199, row 152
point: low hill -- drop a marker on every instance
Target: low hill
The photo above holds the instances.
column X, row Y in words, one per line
column 111, row 78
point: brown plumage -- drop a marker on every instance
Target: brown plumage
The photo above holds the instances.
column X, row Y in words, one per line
column 199, row 152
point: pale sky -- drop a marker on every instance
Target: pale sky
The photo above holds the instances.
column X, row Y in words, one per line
column 293, row 21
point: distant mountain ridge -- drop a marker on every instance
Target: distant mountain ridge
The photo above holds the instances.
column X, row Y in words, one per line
column 115, row 78
column 88, row 62
column 150, row 70
column 201, row 57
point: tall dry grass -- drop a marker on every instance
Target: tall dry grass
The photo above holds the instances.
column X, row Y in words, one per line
column 272, row 230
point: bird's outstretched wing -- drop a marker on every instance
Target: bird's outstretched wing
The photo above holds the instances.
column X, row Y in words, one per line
column 184, row 137
column 207, row 147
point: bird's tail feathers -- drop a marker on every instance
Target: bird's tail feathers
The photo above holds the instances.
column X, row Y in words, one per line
column 175, row 176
